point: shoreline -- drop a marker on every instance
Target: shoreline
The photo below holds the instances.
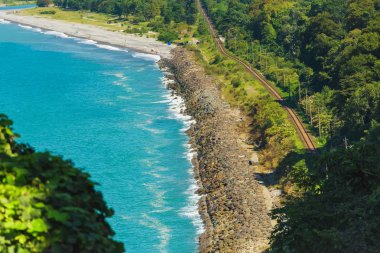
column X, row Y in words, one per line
column 90, row 32
column 234, row 205
column 165, row 54
column 232, row 202
column 178, row 107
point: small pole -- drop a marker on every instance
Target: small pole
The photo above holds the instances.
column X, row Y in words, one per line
column 311, row 114
column 228, row 38
column 253, row 53
column 345, row 140
column 275, row 64
column 319, row 122
column 235, row 42
column 299, row 92
column 306, row 100
column 260, row 56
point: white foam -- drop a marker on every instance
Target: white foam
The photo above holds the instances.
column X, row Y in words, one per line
column 87, row 42
column 159, row 195
column 177, row 109
column 163, row 231
column 121, row 76
column 123, row 97
column 152, row 130
column 58, row 34
column 26, row 27
column 65, row 36
column 2, row 21
column 108, row 47
column 35, row 29
column 153, row 57
column 191, row 209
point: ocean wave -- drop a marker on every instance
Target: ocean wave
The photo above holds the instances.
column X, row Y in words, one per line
column 123, row 85
column 124, row 98
column 152, row 57
column 177, row 109
column 65, row 36
column 144, row 126
column 26, row 27
column 35, row 29
column 121, row 76
column 164, row 101
column 87, row 42
column 163, row 231
column 154, row 174
column 159, row 195
column 79, row 40
column 2, row 21
column 149, row 162
column 191, row 209
column 58, row 34
column 108, row 47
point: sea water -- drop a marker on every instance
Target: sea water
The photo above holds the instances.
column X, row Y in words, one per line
column 108, row 111
column 17, row 7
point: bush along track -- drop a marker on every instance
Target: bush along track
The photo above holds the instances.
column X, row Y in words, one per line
column 323, row 56
column 304, row 135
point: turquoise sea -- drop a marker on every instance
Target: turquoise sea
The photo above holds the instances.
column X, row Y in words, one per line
column 17, row 7
column 107, row 110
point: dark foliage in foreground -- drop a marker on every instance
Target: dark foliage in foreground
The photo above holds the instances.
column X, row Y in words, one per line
column 340, row 209
column 46, row 204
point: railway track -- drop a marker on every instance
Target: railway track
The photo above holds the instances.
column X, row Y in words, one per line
column 301, row 130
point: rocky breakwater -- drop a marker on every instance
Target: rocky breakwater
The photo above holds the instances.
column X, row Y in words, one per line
column 233, row 206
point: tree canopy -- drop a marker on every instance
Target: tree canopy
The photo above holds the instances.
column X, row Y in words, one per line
column 46, row 204
column 325, row 55
column 312, row 47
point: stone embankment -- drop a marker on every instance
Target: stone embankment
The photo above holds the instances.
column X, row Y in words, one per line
column 234, row 205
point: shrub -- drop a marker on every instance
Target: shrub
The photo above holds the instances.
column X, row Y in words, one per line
column 168, row 36
column 236, row 82
column 47, row 12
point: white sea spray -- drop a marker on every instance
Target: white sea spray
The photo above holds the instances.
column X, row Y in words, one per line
column 177, row 107
column 2, row 21
column 152, row 57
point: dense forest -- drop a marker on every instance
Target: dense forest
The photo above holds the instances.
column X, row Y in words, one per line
column 47, row 205
column 170, row 10
column 338, row 208
column 323, row 55
column 161, row 14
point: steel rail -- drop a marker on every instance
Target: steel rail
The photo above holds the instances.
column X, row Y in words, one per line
column 301, row 130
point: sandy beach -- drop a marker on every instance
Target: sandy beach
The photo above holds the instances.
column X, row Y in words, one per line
column 99, row 34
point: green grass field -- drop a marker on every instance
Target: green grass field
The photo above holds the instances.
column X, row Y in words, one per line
column 13, row 3
column 110, row 22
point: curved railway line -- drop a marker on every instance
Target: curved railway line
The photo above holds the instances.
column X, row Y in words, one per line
column 301, row 130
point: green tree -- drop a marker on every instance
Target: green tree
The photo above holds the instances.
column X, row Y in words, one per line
column 46, row 204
